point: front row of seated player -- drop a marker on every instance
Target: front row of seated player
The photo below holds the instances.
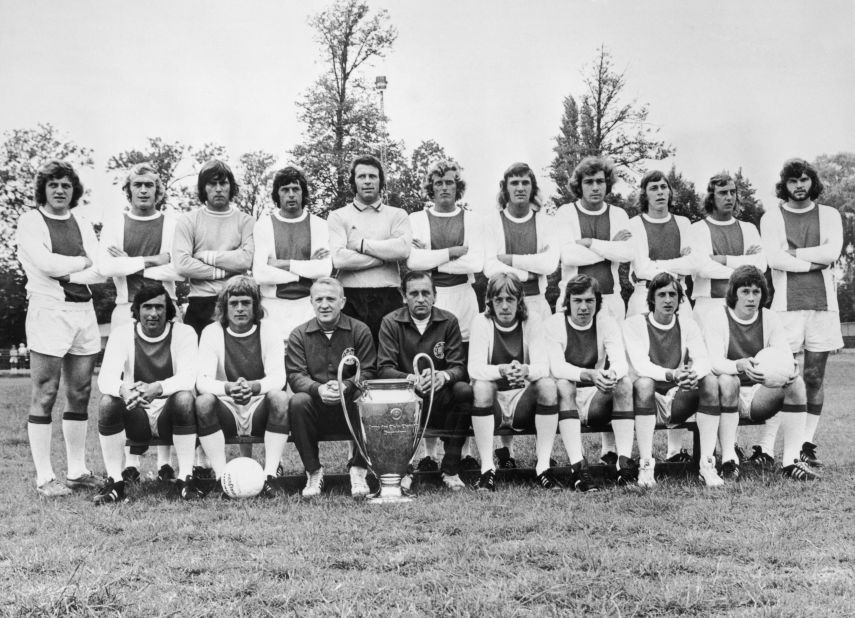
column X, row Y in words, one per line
column 577, row 368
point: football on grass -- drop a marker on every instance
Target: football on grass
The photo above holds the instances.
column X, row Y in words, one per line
column 242, row 478
column 776, row 364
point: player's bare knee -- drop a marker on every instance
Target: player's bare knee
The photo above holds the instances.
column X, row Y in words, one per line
column 814, row 377
column 205, row 407
column 728, row 389
column 622, row 394
column 183, row 405
column 547, row 393
column 709, row 390
column 566, row 393
column 795, row 391
column 483, row 392
column 643, row 390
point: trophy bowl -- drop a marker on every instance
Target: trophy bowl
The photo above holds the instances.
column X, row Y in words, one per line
column 389, row 426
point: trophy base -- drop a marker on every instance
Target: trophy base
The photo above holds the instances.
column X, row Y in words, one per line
column 390, row 491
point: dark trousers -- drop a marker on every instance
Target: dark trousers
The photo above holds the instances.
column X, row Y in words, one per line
column 310, row 418
column 200, row 312
column 370, row 305
column 452, row 411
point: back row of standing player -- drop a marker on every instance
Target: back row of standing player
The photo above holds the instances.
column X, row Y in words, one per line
column 364, row 241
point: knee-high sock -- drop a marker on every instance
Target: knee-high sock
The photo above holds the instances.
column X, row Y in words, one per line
column 708, row 430
column 274, row 446
column 545, row 425
column 483, row 427
column 571, row 435
column 508, row 443
column 185, row 450
column 74, row 433
column 131, row 459
column 793, row 419
column 215, row 450
column 728, row 423
column 202, row 457
column 164, row 456
column 432, row 448
column 609, row 442
column 112, row 451
column 645, row 425
column 768, row 433
column 675, row 441
column 624, row 430
column 811, row 421
column 40, row 437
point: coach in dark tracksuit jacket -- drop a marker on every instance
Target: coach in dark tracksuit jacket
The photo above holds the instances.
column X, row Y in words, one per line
column 315, row 350
column 421, row 327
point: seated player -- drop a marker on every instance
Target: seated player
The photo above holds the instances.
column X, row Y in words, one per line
column 671, row 376
column 315, row 350
column 240, row 381
column 510, row 373
column 734, row 335
column 421, row 327
column 588, row 361
column 147, row 380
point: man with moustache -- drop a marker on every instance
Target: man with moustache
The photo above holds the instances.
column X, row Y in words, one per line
column 291, row 251
column 367, row 239
column 147, row 381
column 671, row 376
column 721, row 244
column 212, row 243
column 315, row 350
column 802, row 240
column 421, row 327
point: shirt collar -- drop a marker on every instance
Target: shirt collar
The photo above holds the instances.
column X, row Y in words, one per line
column 361, row 207
column 343, row 324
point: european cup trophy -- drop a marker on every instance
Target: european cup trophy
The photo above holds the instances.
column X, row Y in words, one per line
column 389, row 426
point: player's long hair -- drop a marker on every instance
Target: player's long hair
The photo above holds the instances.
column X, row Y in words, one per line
column 744, row 276
column 653, row 176
column 794, row 168
column 215, row 170
column 510, row 283
column 579, row 285
column 54, row 170
column 141, row 169
column 241, row 285
column 719, row 180
column 146, row 293
column 660, row 281
column 366, row 159
column 518, row 169
column 286, row 176
column 588, row 167
column 440, row 169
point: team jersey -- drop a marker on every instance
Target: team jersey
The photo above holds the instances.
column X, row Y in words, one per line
column 131, row 356
column 653, row 349
column 571, row 348
column 139, row 237
column 484, row 352
column 727, row 238
column 815, row 234
column 225, row 356
column 658, row 244
column 290, row 239
column 209, row 247
column 51, row 246
column 730, row 339
column 438, row 231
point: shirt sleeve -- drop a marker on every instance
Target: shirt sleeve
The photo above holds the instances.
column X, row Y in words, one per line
column 182, row 254
column 388, row 345
column 264, row 249
column 273, row 357
column 184, row 350
column 211, row 350
column 297, row 365
column 114, row 363
column 342, row 257
column 33, row 240
column 831, row 242
column 479, row 350
column 315, row 268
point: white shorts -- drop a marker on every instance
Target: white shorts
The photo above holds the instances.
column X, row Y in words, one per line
column 506, row 402
column 584, row 396
column 814, row 331
column 461, row 301
column 663, row 407
column 288, row 314
column 638, row 301
column 72, row 329
column 155, row 407
column 746, row 396
column 707, row 308
column 538, row 306
column 243, row 413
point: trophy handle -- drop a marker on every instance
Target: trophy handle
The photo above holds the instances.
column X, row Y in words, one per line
column 416, row 358
column 341, row 390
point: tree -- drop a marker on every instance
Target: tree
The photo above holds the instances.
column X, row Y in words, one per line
column 750, row 208
column 254, row 176
column 22, row 153
column 339, row 112
column 177, row 165
column 604, row 125
column 685, row 200
column 405, row 190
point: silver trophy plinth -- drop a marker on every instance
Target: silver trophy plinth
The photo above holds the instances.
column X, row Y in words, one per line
column 389, row 426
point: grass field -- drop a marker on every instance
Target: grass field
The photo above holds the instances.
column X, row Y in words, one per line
column 762, row 547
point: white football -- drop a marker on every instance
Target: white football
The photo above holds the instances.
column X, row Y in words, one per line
column 242, row 478
column 776, row 364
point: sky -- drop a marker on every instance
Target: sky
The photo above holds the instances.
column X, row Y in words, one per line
column 729, row 84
